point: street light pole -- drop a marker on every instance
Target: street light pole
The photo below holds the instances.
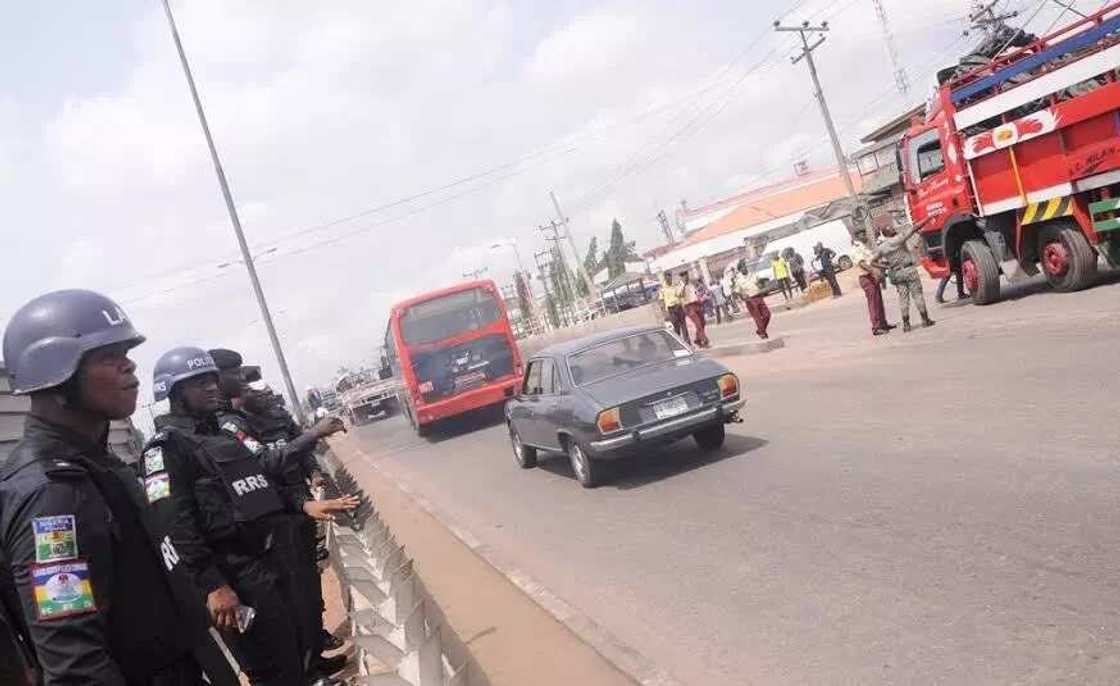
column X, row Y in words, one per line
column 297, row 406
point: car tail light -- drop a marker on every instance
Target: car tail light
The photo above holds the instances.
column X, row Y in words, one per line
column 609, row 421
column 728, row 386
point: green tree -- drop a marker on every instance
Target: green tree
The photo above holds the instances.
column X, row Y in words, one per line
column 562, row 281
column 619, row 252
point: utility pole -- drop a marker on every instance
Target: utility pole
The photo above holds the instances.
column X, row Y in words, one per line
column 807, row 54
column 901, row 80
column 297, row 406
column 663, row 220
column 983, row 17
column 564, row 222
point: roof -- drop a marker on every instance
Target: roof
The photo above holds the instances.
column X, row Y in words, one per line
column 590, row 341
column 457, row 288
column 626, row 278
column 819, row 190
column 732, row 202
column 895, row 126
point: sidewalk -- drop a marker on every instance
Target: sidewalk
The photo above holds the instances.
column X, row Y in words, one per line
column 513, row 639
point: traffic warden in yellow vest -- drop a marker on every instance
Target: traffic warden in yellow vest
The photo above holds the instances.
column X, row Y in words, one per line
column 220, row 502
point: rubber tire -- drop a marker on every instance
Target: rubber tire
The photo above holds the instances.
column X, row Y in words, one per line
column 711, row 438
column 845, row 263
column 591, row 474
column 978, row 252
column 525, row 457
column 1082, row 259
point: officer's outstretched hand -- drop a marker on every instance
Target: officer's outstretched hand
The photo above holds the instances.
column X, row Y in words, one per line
column 325, row 509
column 328, row 426
column 222, row 604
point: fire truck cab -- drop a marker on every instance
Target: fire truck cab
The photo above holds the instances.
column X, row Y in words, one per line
column 1017, row 163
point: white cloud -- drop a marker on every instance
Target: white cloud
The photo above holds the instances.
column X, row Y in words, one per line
column 589, row 46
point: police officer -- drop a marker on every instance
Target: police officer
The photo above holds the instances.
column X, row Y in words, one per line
column 96, row 603
column 296, row 451
column 894, row 255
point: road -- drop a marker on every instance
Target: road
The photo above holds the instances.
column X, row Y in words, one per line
column 936, row 507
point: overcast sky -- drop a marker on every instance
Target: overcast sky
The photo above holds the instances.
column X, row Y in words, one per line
column 377, row 150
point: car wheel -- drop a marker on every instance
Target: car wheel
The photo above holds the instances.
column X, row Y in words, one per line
column 711, row 438
column 526, row 457
column 587, row 471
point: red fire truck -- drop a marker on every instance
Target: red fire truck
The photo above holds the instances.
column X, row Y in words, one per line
column 1017, row 163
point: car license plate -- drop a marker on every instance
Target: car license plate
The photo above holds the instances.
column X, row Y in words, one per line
column 670, row 408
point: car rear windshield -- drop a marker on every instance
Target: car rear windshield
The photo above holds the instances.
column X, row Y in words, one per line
column 450, row 315
column 623, row 354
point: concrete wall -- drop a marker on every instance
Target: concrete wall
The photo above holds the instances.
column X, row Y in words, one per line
column 649, row 314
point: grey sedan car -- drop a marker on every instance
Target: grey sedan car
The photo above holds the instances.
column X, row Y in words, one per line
column 605, row 396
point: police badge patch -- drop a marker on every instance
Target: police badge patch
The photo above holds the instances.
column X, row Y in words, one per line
column 153, row 460
column 56, row 538
column 157, row 487
column 62, row 589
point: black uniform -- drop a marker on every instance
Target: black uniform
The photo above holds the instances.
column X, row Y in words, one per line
column 97, row 603
column 222, row 507
column 295, row 536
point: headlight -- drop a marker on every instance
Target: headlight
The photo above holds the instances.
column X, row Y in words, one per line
column 609, row 421
column 728, row 386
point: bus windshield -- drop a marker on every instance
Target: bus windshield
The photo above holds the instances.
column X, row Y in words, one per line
column 450, row 315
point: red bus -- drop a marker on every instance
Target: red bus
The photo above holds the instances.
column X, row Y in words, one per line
column 453, row 351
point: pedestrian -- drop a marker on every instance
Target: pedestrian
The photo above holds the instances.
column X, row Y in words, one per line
column 99, row 603
column 824, row 257
column 869, row 279
column 796, row 268
column 780, row 269
column 674, row 308
column 895, row 255
column 746, row 287
column 719, row 302
column 728, row 284
column 704, row 295
column 222, row 499
column 955, row 276
column 269, row 424
column 695, row 311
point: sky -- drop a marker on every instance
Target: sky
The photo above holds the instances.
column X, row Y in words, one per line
column 378, row 150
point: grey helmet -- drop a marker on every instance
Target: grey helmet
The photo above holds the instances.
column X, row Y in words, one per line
column 46, row 339
column 179, row 364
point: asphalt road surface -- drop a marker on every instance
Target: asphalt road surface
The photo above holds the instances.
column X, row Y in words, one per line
column 936, row 507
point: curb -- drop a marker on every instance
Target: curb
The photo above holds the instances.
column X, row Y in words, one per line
column 737, row 348
column 622, row 656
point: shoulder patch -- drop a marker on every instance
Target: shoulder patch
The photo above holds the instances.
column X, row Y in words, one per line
column 157, row 487
column 153, row 460
column 246, row 440
column 62, row 590
column 56, row 538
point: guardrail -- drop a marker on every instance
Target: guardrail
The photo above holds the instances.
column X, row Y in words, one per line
column 397, row 627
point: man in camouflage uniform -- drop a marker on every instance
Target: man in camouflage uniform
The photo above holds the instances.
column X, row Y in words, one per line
column 895, row 255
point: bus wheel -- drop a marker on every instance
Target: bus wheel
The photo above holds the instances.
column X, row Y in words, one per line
column 1067, row 258
column 980, row 272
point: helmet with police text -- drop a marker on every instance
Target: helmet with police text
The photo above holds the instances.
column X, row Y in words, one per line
column 45, row 340
column 180, row 364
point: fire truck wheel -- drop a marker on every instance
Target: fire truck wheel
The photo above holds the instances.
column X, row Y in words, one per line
column 1067, row 258
column 980, row 272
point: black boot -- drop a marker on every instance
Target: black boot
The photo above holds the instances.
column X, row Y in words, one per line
column 905, row 325
column 926, row 321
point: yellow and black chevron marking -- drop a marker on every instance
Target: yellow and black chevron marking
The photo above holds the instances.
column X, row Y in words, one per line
column 1048, row 209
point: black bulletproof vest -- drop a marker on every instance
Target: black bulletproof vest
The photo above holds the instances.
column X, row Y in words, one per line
column 233, row 476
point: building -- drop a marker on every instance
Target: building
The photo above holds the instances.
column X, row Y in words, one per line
column 877, row 163
column 125, row 441
column 742, row 224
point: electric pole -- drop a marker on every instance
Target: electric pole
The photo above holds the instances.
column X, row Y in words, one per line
column 663, row 220
column 983, row 17
column 901, row 80
column 563, row 221
column 807, row 54
column 297, row 405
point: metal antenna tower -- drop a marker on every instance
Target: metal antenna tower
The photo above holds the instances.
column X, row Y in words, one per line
column 901, row 80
